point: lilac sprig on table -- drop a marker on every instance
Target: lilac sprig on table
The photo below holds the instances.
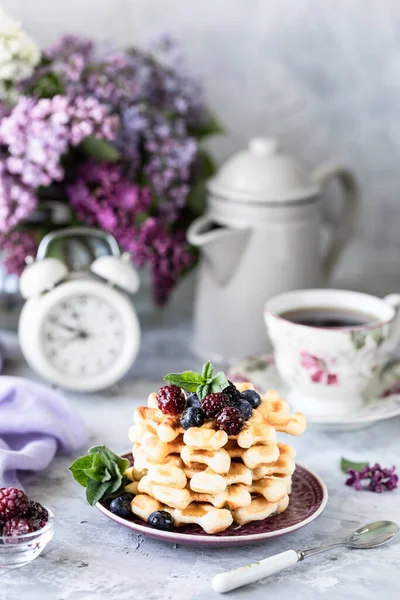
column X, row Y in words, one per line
column 380, row 479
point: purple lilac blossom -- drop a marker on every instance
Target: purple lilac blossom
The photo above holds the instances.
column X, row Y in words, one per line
column 17, row 200
column 379, row 479
column 102, row 196
column 14, row 248
column 38, row 132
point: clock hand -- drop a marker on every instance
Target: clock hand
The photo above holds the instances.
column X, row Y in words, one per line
column 64, row 326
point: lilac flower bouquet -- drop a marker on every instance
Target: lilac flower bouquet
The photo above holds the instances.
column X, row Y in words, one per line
column 118, row 140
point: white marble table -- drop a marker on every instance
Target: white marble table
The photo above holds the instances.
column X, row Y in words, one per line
column 92, row 558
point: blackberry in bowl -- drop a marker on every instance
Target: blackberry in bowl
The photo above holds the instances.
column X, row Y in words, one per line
column 26, row 528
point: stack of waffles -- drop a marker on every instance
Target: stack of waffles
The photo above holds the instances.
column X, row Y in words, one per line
column 203, row 476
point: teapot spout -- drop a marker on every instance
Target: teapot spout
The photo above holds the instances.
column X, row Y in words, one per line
column 222, row 248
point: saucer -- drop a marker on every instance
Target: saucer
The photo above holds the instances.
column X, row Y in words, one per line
column 308, row 499
column 382, row 398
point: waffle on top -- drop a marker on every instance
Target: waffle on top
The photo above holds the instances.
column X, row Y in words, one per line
column 201, row 475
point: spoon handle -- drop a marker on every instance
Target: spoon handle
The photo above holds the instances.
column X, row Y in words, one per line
column 225, row 582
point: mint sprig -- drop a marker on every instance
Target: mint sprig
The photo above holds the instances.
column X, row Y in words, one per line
column 101, row 472
column 345, row 465
column 202, row 384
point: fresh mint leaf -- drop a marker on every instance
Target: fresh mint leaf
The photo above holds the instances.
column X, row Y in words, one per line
column 101, row 472
column 219, row 382
column 79, row 467
column 345, row 465
column 203, row 390
column 96, row 473
column 207, row 372
column 108, row 457
column 96, row 491
column 188, row 380
column 115, row 484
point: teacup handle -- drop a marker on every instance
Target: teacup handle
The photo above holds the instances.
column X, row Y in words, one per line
column 345, row 225
column 394, row 335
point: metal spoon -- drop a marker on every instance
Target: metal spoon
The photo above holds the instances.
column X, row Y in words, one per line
column 369, row 536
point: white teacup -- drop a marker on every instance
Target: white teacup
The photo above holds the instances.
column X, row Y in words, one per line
column 328, row 368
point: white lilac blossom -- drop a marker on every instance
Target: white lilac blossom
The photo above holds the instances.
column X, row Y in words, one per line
column 19, row 54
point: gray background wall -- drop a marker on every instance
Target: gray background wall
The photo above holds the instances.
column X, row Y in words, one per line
column 323, row 76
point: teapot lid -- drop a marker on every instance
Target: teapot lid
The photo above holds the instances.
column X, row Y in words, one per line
column 261, row 173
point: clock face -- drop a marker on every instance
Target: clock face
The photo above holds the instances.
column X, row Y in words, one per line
column 82, row 335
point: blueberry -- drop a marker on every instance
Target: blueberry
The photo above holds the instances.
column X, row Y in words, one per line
column 161, row 519
column 252, row 397
column 192, row 417
column 193, row 400
column 245, row 408
column 121, row 506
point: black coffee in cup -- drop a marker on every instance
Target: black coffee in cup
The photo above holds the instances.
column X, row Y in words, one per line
column 329, row 317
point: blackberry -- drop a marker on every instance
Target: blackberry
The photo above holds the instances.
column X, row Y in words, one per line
column 121, row 506
column 245, row 408
column 214, row 403
column 161, row 519
column 192, row 417
column 17, row 526
column 252, row 397
column 171, row 400
column 13, row 503
column 36, row 512
column 232, row 392
column 231, row 420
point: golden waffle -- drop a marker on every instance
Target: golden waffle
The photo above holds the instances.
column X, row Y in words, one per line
column 202, row 476
column 211, row 519
column 218, row 460
column 284, row 465
column 205, row 439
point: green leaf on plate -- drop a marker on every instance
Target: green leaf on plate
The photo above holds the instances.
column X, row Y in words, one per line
column 188, row 380
column 345, row 465
column 219, row 382
column 96, row 491
column 79, row 467
column 207, row 371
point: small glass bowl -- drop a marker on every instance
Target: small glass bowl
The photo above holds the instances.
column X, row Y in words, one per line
column 20, row 550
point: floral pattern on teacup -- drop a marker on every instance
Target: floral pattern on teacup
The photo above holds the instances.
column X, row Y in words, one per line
column 318, row 369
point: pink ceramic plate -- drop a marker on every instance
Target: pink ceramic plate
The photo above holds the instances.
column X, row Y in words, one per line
column 307, row 501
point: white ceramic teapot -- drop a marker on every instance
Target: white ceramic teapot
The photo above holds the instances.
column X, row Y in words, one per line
column 261, row 236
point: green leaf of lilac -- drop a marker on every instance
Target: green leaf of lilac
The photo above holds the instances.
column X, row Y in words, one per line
column 210, row 126
column 345, row 465
column 188, row 380
column 207, row 371
column 100, row 149
column 79, row 467
column 219, row 382
column 97, row 491
column 203, row 390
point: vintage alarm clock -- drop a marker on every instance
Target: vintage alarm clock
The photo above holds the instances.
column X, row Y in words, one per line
column 79, row 329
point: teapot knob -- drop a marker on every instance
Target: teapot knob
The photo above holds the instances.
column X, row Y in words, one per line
column 263, row 146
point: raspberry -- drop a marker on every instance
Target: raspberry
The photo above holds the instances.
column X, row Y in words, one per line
column 231, row 420
column 13, row 503
column 214, row 403
column 36, row 512
column 17, row 526
column 232, row 392
column 171, row 400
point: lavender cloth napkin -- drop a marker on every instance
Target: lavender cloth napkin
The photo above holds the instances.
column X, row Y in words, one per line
column 35, row 424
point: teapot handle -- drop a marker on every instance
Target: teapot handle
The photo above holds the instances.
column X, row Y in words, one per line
column 345, row 226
